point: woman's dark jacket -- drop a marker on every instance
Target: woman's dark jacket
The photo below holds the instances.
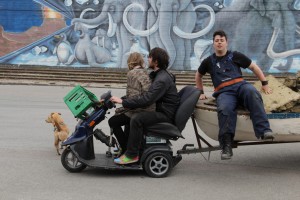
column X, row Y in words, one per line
column 163, row 91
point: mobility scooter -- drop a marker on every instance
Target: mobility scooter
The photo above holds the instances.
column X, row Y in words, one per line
column 156, row 154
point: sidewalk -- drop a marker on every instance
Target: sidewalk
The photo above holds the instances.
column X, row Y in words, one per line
column 59, row 83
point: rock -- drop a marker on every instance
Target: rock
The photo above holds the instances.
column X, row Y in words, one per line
column 290, row 82
column 296, row 109
column 283, row 99
column 298, row 81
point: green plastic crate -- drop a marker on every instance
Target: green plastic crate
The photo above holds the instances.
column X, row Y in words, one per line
column 79, row 100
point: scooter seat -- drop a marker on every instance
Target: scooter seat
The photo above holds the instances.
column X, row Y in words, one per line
column 164, row 130
column 189, row 96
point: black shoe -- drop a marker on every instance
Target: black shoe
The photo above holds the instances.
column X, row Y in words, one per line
column 226, row 153
column 268, row 136
column 104, row 138
column 226, row 147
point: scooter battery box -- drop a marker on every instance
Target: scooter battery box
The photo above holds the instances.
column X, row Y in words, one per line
column 79, row 100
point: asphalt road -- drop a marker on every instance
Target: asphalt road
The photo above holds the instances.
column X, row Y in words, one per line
column 31, row 169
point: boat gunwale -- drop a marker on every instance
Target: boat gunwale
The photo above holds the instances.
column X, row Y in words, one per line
column 209, row 105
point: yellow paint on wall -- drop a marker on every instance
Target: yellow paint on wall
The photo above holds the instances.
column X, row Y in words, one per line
column 51, row 14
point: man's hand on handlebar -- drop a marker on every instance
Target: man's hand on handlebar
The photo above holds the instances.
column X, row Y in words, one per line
column 116, row 99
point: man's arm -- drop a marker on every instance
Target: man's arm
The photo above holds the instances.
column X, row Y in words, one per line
column 199, row 84
column 260, row 75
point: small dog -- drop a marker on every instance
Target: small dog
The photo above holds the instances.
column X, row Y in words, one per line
column 61, row 131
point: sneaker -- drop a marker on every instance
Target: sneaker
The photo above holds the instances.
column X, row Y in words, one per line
column 268, row 136
column 123, row 160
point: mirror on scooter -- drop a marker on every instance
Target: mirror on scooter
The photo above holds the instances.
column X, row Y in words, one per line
column 106, row 99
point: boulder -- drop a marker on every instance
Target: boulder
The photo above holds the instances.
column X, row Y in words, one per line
column 283, row 99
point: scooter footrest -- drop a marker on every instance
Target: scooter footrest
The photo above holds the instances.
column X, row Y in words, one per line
column 186, row 146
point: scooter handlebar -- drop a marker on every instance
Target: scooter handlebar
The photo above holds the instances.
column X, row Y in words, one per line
column 105, row 98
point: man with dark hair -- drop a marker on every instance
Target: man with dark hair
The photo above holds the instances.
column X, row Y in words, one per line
column 163, row 92
column 232, row 90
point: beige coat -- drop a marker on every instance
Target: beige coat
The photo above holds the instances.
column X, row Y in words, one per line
column 138, row 82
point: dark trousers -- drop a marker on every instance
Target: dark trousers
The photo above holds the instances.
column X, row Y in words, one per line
column 247, row 96
column 115, row 123
column 138, row 124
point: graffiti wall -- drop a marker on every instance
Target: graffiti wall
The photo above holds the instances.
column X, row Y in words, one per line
column 102, row 33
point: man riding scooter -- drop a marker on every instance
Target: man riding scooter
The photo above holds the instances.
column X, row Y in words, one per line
column 163, row 91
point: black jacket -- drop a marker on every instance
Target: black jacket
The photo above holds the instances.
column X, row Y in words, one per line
column 163, row 91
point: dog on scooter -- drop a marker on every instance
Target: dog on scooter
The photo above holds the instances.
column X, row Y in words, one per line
column 61, row 130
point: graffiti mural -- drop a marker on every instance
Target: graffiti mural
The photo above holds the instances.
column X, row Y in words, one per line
column 102, row 33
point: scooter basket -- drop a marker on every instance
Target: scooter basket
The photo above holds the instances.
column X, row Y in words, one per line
column 79, row 100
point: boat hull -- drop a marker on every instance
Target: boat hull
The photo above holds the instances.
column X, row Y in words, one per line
column 285, row 129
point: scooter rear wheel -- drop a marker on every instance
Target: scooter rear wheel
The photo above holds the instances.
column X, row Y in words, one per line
column 158, row 164
column 71, row 162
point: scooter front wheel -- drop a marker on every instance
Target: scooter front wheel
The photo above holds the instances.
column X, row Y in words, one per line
column 71, row 162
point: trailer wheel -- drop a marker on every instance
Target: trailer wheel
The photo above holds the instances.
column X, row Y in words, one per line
column 71, row 162
column 158, row 164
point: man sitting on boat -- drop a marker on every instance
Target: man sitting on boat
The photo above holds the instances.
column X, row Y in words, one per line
column 231, row 90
